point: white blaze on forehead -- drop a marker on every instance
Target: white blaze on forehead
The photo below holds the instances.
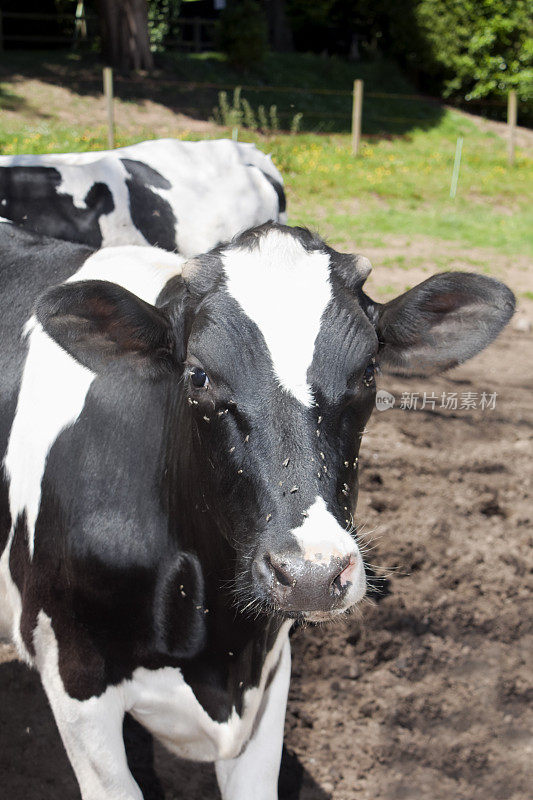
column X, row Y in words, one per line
column 54, row 385
column 284, row 289
column 320, row 536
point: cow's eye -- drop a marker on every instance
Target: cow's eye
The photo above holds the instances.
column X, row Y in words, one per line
column 370, row 373
column 199, row 378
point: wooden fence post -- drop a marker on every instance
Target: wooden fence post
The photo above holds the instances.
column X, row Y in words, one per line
column 108, row 92
column 357, row 113
column 511, row 125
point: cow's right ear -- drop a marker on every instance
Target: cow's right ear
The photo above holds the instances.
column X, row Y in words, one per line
column 98, row 322
column 440, row 323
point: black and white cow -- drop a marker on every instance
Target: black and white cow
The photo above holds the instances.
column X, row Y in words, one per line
column 184, row 196
column 180, row 448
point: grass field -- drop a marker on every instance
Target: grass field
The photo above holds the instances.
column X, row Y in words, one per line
column 398, row 186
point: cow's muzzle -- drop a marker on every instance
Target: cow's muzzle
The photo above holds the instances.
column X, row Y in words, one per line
column 313, row 585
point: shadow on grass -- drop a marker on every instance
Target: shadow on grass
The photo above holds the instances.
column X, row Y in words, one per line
column 9, row 101
column 317, row 87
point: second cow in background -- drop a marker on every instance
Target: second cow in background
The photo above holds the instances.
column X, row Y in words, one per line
column 184, row 196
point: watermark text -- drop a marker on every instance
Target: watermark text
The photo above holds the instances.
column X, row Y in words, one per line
column 452, row 401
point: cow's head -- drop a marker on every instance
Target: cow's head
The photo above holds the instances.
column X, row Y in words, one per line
column 269, row 348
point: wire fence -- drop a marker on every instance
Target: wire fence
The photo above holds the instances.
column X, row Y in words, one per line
column 424, row 106
column 356, row 96
column 192, row 85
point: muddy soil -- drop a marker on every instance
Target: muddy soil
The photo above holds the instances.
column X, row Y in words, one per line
column 424, row 695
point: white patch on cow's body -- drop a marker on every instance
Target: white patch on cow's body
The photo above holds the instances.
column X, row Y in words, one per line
column 11, row 607
column 52, row 395
column 214, row 192
column 285, row 290
column 108, row 170
column 166, row 705
column 321, row 538
column 54, row 385
column 254, row 773
column 144, row 271
column 91, row 730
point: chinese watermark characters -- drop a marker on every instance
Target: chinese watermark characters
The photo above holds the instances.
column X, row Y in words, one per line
column 452, row 401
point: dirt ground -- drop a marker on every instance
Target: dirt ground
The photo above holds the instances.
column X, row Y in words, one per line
column 423, row 696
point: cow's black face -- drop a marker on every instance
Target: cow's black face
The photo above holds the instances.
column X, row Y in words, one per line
column 274, row 346
column 279, row 380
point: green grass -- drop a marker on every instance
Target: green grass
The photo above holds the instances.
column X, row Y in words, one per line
column 399, row 184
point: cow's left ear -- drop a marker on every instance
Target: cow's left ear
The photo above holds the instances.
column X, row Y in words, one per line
column 441, row 322
column 98, row 322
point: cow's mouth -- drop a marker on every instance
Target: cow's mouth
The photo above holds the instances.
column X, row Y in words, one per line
column 325, row 616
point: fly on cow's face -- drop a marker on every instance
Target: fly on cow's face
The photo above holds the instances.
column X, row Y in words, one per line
column 369, row 376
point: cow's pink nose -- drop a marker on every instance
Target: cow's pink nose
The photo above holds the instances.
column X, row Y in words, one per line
column 295, row 583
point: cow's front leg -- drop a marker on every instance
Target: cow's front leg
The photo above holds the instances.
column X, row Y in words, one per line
column 91, row 729
column 254, row 774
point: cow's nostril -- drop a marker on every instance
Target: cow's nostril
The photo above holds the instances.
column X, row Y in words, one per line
column 345, row 574
column 281, row 571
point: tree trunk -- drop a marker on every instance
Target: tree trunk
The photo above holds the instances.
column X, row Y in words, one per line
column 125, row 38
column 280, row 34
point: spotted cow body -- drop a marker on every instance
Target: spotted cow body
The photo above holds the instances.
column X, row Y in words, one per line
column 183, row 196
column 180, row 446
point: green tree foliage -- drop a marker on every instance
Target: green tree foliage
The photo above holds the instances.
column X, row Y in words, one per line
column 163, row 22
column 242, row 33
column 478, row 47
column 466, row 49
